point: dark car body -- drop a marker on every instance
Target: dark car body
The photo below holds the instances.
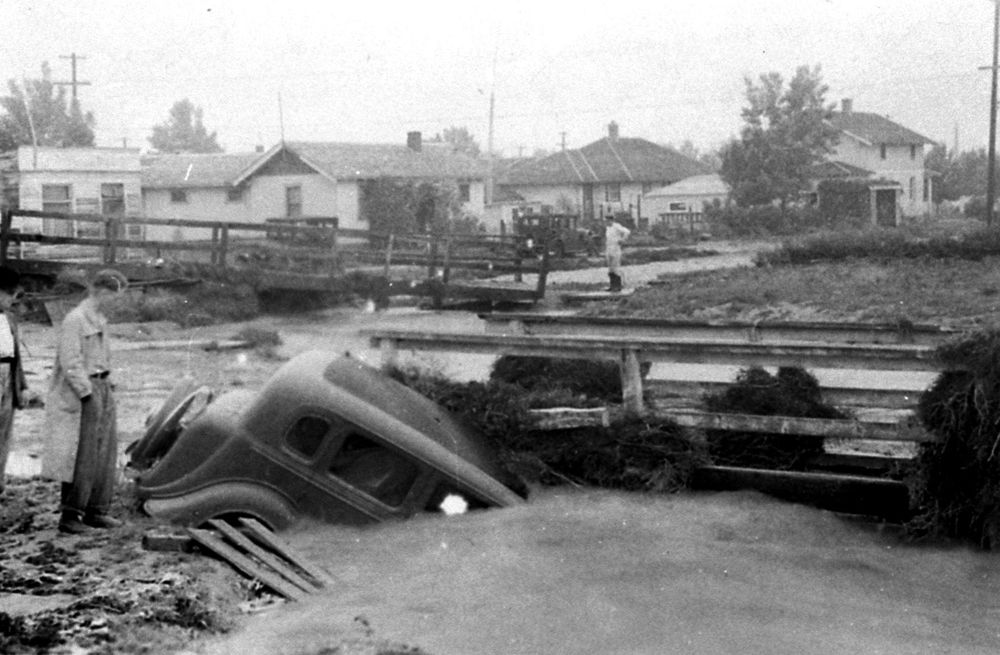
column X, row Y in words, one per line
column 561, row 232
column 327, row 437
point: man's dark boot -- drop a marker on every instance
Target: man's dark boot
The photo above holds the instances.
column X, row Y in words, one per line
column 71, row 522
column 611, row 282
column 616, row 283
column 101, row 520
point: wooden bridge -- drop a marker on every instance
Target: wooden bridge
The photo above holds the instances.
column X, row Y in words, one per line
column 308, row 253
column 881, row 354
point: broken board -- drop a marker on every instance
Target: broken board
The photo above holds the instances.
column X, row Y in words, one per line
column 571, row 297
column 258, row 553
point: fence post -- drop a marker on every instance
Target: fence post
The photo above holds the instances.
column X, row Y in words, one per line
column 631, row 374
column 223, row 246
column 389, row 352
column 110, row 240
column 5, row 221
column 446, row 265
column 215, row 244
column 388, row 254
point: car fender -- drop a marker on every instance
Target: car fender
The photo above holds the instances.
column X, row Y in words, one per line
column 226, row 498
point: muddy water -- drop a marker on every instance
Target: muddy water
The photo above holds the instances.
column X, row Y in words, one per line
column 602, row 572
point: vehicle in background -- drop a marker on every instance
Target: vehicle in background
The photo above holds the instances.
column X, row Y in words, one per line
column 563, row 234
column 328, row 437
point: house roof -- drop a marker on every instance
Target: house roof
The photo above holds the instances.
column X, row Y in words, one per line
column 606, row 160
column 360, row 161
column 696, row 185
column 174, row 170
column 837, row 169
column 875, row 129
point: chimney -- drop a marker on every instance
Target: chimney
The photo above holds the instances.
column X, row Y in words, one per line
column 413, row 141
column 258, row 148
column 846, row 105
column 613, row 131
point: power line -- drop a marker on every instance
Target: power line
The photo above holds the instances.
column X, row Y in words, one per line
column 74, row 82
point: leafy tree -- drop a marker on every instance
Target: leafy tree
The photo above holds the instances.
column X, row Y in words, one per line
column 962, row 175
column 709, row 159
column 460, row 139
column 55, row 121
column 785, row 132
column 184, row 131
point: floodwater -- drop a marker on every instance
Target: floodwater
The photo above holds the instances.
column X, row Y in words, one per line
column 585, row 571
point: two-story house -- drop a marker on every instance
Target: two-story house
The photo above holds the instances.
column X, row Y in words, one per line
column 874, row 146
column 608, row 176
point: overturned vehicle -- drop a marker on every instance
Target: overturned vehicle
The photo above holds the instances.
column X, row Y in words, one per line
column 327, row 437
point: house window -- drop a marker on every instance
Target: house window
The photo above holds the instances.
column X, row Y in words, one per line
column 913, row 152
column 647, row 187
column 293, row 201
column 178, row 195
column 927, row 188
column 613, row 192
column 677, row 207
column 57, row 198
column 463, row 192
column 235, row 194
column 881, row 151
column 373, row 469
column 913, row 188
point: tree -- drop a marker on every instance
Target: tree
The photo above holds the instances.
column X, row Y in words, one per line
column 184, row 131
column 709, row 159
column 53, row 121
column 962, row 175
column 460, row 139
column 785, row 132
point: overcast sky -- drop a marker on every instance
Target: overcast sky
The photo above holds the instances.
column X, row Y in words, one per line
column 665, row 70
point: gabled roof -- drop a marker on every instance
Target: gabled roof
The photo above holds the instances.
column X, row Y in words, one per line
column 363, row 161
column 190, row 170
column 696, row 185
column 603, row 161
column 874, row 129
column 836, row 169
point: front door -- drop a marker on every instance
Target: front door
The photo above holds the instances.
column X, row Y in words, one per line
column 885, row 207
column 588, row 202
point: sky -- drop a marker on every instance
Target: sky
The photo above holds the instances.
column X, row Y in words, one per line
column 668, row 71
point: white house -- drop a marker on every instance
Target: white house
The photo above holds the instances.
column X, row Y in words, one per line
column 300, row 179
column 608, row 176
column 105, row 181
column 687, row 196
column 889, row 152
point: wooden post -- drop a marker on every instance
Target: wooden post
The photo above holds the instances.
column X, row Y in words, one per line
column 333, row 249
column 631, row 382
column 223, row 246
column 543, row 275
column 5, row 221
column 446, row 266
column 110, row 240
column 388, row 254
column 215, row 244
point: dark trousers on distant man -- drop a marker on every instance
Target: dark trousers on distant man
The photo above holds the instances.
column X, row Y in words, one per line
column 93, row 485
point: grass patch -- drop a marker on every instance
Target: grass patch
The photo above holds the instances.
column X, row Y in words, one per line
column 203, row 304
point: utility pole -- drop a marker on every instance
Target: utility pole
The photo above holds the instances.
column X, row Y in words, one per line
column 562, row 143
column 489, row 139
column 990, row 184
column 74, row 82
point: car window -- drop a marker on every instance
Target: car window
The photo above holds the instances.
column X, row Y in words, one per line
column 370, row 467
column 306, row 435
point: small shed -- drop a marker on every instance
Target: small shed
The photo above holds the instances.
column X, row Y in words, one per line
column 683, row 200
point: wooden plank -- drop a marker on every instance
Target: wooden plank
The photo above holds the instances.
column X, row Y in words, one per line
column 244, row 564
column 663, row 390
column 267, row 538
column 563, row 418
column 272, row 560
column 812, row 427
column 644, row 327
column 896, row 357
column 631, row 376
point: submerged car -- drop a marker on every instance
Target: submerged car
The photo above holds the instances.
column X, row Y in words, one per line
column 327, row 437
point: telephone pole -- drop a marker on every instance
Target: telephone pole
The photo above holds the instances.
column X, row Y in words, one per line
column 991, row 167
column 74, row 82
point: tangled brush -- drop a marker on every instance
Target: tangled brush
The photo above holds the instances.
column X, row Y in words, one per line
column 955, row 485
column 792, row 392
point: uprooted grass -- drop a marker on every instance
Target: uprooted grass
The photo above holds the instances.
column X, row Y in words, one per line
column 633, row 454
column 955, row 485
column 595, row 379
column 792, row 392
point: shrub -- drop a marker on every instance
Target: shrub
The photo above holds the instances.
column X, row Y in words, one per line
column 599, row 379
column 955, row 485
column 767, row 220
column 792, row 392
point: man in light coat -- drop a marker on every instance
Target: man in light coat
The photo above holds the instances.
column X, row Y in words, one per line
column 82, row 447
column 614, row 234
column 12, row 381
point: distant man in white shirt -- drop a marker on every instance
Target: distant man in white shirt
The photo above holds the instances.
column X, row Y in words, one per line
column 614, row 235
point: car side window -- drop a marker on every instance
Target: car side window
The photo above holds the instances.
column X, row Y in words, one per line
column 374, row 469
column 307, row 434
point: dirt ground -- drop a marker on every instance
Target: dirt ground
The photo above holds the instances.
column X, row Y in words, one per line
column 570, row 571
